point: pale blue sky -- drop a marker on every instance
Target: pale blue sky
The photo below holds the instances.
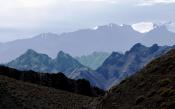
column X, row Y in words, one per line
column 26, row 18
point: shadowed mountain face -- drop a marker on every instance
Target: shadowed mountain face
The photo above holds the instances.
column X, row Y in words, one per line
column 93, row 60
column 153, row 87
column 119, row 66
column 21, row 95
column 106, row 38
column 57, row 81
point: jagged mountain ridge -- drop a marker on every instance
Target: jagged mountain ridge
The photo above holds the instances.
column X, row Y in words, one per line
column 31, row 60
column 119, row 66
column 106, row 38
column 115, row 68
column 153, row 87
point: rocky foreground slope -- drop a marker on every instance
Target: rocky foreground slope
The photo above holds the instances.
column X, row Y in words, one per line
column 19, row 95
column 153, row 87
column 57, row 81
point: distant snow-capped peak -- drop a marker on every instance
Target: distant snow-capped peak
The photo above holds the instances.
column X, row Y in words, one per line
column 143, row 27
column 95, row 28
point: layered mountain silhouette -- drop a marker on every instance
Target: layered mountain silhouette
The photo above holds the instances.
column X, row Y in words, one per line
column 153, row 87
column 114, row 69
column 93, row 60
column 106, row 38
column 31, row 60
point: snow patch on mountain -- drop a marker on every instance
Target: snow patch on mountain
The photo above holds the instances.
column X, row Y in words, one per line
column 143, row 27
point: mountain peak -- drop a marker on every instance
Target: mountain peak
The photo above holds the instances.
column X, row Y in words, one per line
column 32, row 60
column 30, row 51
column 153, row 85
column 62, row 54
column 143, row 27
column 159, row 27
column 137, row 47
column 155, row 46
column 115, row 54
column 66, row 58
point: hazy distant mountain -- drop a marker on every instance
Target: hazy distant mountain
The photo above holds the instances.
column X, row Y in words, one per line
column 161, row 35
column 119, row 66
column 32, row 60
column 106, row 38
column 93, row 60
column 66, row 63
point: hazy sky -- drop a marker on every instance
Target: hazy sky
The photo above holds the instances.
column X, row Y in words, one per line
column 26, row 18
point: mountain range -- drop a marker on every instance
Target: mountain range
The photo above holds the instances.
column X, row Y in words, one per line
column 31, row 60
column 114, row 69
column 153, row 87
column 119, row 66
column 105, row 38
